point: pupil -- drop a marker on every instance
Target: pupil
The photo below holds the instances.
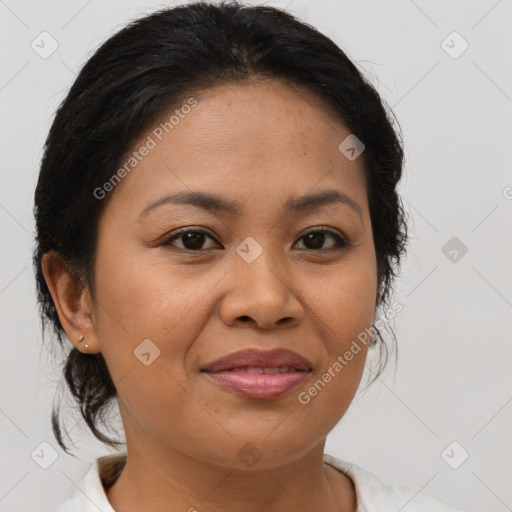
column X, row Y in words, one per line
column 193, row 240
column 317, row 239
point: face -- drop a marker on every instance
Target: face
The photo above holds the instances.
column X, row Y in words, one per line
column 273, row 270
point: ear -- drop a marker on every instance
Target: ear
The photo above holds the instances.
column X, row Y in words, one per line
column 72, row 301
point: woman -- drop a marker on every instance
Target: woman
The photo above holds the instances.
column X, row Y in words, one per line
column 217, row 227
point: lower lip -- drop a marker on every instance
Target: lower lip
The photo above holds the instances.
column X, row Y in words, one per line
column 260, row 385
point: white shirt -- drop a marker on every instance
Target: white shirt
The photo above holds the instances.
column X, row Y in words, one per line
column 371, row 494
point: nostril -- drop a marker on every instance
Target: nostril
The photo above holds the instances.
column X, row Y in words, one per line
column 245, row 318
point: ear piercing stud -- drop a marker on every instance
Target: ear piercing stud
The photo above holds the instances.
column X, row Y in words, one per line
column 80, row 341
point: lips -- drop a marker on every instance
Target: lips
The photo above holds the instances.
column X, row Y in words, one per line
column 260, row 374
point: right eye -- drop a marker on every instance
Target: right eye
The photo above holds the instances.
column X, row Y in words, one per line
column 191, row 239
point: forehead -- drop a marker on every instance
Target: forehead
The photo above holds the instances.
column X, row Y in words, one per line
column 246, row 139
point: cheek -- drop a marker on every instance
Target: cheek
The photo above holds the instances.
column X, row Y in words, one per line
column 345, row 300
column 352, row 307
column 139, row 302
column 139, row 298
column 333, row 386
column 345, row 311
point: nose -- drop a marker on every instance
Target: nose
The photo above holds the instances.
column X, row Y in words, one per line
column 261, row 296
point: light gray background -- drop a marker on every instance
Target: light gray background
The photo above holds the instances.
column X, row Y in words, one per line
column 453, row 377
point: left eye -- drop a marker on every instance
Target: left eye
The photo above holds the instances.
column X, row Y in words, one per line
column 315, row 239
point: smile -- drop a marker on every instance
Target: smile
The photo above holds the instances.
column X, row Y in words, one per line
column 259, row 374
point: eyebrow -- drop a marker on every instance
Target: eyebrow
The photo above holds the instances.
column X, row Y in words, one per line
column 214, row 202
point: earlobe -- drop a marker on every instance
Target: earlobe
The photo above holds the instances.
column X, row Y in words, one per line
column 72, row 302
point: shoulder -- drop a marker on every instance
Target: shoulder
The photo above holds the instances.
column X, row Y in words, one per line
column 89, row 495
column 85, row 493
column 374, row 496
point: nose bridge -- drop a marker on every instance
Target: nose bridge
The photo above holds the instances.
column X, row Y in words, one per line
column 260, row 290
column 260, row 265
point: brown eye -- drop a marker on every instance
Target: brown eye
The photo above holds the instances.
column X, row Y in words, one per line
column 191, row 240
column 315, row 239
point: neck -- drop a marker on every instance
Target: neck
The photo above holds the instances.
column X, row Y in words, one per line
column 172, row 481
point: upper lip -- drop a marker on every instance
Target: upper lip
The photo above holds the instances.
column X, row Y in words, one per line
column 259, row 358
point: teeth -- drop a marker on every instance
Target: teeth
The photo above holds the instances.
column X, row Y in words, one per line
column 259, row 370
column 254, row 369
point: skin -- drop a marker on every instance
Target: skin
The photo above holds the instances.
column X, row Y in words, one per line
column 257, row 143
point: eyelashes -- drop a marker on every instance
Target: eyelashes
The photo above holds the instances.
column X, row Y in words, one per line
column 319, row 234
column 191, row 236
column 192, row 240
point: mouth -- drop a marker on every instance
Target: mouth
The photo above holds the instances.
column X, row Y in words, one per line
column 260, row 374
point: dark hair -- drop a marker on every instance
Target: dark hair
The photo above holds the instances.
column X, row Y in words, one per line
column 140, row 72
